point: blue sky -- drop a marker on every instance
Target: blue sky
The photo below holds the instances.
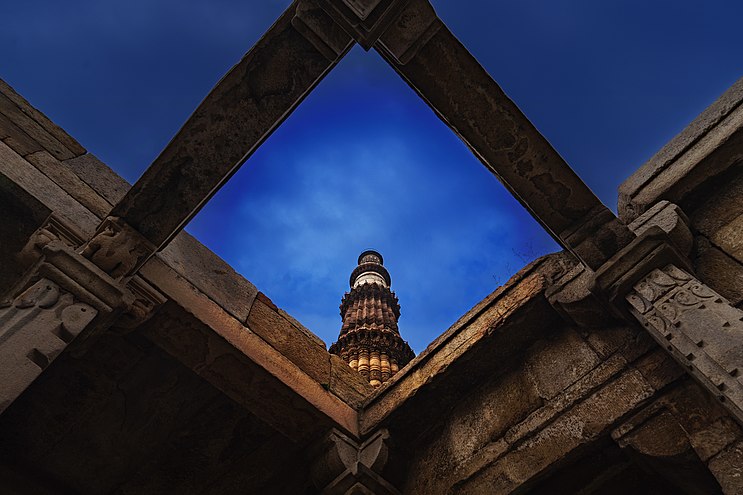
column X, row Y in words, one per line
column 363, row 162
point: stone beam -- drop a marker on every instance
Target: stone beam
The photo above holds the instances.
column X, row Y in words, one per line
column 245, row 107
column 441, row 70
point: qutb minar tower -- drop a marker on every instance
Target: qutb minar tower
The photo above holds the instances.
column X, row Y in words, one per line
column 370, row 341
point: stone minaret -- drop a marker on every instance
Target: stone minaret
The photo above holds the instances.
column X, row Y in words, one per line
column 369, row 340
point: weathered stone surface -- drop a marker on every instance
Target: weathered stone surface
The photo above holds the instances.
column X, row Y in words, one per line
column 70, row 182
column 730, row 238
column 580, row 425
column 452, row 82
column 716, row 210
column 34, row 329
column 241, row 364
column 26, row 108
column 265, row 321
column 728, row 469
column 347, row 383
column 33, row 129
column 211, row 274
column 99, row 176
column 698, row 328
column 718, row 270
column 39, row 185
column 248, row 103
column 559, row 362
column 16, row 138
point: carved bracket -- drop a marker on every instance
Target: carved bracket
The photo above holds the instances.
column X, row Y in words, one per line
column 590, row 298
column 118, row 249
column 342, row 466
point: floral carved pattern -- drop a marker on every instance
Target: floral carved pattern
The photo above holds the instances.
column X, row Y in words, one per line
column 697, row 326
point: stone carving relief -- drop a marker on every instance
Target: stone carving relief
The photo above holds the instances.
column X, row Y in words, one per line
column 64, row 294
column 697, row 326
column 117, row 249
column 34, row 328
column 342, row 466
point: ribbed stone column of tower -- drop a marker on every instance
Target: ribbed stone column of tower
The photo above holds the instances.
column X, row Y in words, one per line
column 369, row 340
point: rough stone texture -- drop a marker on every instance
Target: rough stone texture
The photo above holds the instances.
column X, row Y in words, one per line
column 40, row 186
column 730, row 238
column 710, row 213
column 698, row 328
column 728, row 468
column 348, row 384
column 211, row 274
column 719, row 270
column 265, row 321
column 222, row 392
column 29, row 111
column 580, row 425
column 32, row 129
column 558, row 363
column 70, row 182
column 99, row 176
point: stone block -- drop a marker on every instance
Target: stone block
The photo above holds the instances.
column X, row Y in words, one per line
column 16, row 138
column 99, row 176
column 580, row 425
column 730, row 238
column 720, row 208
column 347, row 384
column 210, row 274
column 34, row 130
column 25, row 107
column 709, row 441
column 265, row 321
column 718, row 270
column 557, row 363
column 704, row 150
column 728, row 469
column 39, row 185
column 65, row 178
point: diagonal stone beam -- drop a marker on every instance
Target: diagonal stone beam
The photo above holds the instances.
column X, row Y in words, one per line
column 441, row 70
column 245, row 107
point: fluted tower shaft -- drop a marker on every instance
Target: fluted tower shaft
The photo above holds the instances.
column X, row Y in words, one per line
column 369, row 339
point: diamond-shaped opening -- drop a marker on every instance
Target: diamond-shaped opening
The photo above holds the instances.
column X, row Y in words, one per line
column 363, row 162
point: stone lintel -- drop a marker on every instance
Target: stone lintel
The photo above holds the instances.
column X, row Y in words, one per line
column 441, row 70
column 242, row 110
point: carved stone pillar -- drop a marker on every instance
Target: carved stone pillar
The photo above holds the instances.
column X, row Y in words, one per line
column 697, row 326
column 65, row 296
column 343, row 466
